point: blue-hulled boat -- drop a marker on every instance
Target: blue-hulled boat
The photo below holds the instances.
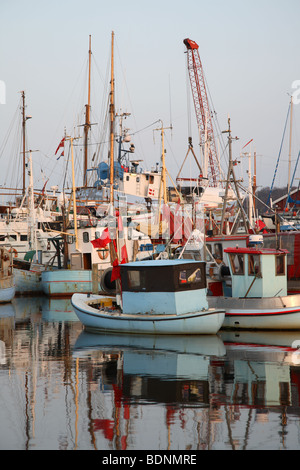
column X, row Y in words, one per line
column 157, row 297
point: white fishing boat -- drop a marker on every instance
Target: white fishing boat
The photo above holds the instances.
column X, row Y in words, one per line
column 258, row 297
column 7, row 285
column 158, row 297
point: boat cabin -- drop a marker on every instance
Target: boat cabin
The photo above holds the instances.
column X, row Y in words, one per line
column 257, row 272
column 164, row 286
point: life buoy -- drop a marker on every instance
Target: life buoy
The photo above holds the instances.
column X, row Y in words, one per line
column 103, row 253
column 13, row 250
column 107, row 285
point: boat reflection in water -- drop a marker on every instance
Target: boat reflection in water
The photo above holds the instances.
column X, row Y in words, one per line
column 207, row 392
column 64, row 388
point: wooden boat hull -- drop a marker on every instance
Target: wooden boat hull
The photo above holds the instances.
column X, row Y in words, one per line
column 27, row 282
column 202, row 322
column 270, row 313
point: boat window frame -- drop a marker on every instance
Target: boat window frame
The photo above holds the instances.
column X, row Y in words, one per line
column 135, row 284
column 164, row 278
column 240, row 270
column 208, row 248
column 253, row 268
column 218, row 251
column 85, row 237
column 281, row 271
column 185, row 276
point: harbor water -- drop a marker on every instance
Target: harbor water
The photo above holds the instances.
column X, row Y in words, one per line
column 62, row 388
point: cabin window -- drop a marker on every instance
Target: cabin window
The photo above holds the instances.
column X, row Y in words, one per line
column 127, row 177
column 237, row 263
column 218, row 254
column 189, row 276
column 135, row 280
column 280, row 265
column 14, row 237
column 208, row 257
column 86, row 237
column 151, row 180
column 97, row 235
column 254, row 268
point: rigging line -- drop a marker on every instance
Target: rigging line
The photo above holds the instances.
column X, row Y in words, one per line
column 287, row 199
column 132, row 133
column 170, row 147
column 261, row 201
column 98, row 69
column 67, row 105
column 271, row 189
column 133, row 113
column 188, row 100
column 10, row 129
column 171, row 120
column 66, row 170
column 147, row 127
column 215, row 119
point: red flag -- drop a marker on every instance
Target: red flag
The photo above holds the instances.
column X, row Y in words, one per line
column 61, row 144
column 116, row 271
column 122, row 242
column 260, row 225
column 103, row 240
column 61, row 155
column 247, row 144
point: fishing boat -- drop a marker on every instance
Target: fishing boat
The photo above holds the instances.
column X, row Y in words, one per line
column 7, row 285
column 158, row 297
column 257, row 297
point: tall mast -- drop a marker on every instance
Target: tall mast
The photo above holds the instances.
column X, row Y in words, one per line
column 87, row 125
column 290, row 145
column 24, row 138
column 112, row 120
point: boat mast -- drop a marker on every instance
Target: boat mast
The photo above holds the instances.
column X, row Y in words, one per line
column 112, row 121
column 74, row 196
column 87, row 125
column 290, row 146
column 231, row 177
column 24, row 138
column 33, row 240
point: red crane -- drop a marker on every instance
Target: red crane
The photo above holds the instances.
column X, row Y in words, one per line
column 203, row 113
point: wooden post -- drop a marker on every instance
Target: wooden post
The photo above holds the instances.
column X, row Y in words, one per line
column 95, row 289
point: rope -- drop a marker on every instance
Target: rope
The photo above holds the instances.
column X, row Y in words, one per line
column 287, row 199
column 271, row 189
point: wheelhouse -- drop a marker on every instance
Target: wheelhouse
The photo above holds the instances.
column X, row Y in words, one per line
column 170, row 286
column 257, row 272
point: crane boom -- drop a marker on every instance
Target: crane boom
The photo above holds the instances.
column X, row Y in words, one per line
column 203, row 114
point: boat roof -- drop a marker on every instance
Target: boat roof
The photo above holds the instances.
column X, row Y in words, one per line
column 255, row 251
column 161, row 262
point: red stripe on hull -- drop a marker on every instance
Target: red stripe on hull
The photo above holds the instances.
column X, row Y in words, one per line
column 261, row 314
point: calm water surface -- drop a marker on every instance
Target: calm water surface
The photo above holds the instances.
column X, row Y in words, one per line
column 63, row 388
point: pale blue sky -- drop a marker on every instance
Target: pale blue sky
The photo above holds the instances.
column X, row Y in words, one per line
column 249, row 51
